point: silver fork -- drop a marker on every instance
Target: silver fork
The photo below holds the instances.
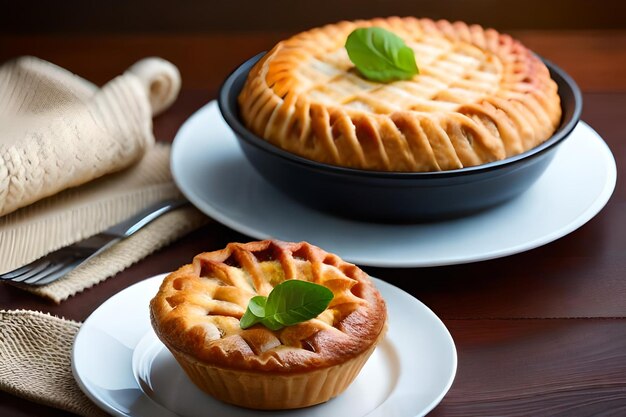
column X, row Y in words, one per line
column 58, row 263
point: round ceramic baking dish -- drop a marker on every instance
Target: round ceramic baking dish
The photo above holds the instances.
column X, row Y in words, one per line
column 398, row 196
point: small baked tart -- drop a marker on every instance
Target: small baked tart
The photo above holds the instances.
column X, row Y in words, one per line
column 197, row 310
column 480, row 96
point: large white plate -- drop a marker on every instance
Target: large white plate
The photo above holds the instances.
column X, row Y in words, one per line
column 122, row 366
column 214, row 175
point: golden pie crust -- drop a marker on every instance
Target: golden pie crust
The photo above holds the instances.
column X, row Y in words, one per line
column 197, row 309
column 480, row 96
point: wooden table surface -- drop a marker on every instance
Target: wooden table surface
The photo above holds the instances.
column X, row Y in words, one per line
column 538, row 333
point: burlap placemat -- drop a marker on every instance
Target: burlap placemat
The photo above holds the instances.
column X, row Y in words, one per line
column 35, row 361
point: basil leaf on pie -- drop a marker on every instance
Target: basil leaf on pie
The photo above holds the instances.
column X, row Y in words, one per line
column 294, row 301
column 254, row 313
column 380, row 55
column 271, row 324
column 290, row 302
column 257, row 305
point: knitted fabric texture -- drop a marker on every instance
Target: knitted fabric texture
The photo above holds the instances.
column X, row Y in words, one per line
column 63, row 131
column 35, row 361
column 58, row 130
column 81, row 212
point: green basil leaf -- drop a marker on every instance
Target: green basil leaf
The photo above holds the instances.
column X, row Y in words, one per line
column 380, row 55
column 294, row 301
column 254, row 313
column 290, row 302
column 257, row 305
column 271, row 324
column 248, row 319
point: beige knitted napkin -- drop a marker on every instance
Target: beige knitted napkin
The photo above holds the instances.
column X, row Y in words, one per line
column 35, row 361
column 58, row 130
column 59, row 136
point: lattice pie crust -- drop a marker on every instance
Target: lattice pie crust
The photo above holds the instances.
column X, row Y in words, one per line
column 197, row 310
column 480, row 96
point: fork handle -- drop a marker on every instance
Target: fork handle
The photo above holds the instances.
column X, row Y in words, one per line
column 131, row 225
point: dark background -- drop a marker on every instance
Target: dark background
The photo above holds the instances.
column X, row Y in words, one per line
column 207, row 39
column 187, row 16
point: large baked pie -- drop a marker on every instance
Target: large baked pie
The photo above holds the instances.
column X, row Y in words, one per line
column 480, row 96
column 197, row 312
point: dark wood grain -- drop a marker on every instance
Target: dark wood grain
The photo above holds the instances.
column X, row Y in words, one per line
column 521, row 368
column 539, row 333
column 595, row 59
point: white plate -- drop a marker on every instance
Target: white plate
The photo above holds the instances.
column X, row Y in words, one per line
column 120, row 364
column 214, row 175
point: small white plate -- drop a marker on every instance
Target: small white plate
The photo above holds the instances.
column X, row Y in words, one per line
column 212, row 172
column 121, row 365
